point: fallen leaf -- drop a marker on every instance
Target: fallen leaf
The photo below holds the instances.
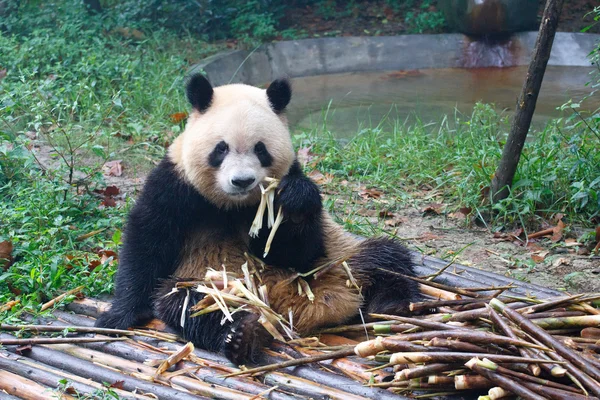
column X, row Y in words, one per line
column 117, row 385
column 429, row 236
column 305, row 156
column 386, row 214
column 14, row 290
column 23, row 350
column 560, row 261
column 108, row 202
column 557, row 231
column 395, row 221
column 569, row 242
column 318, row 177
column 111, row 191
column 113, row 168
column 598, row 234
column 6, row 259
column 433, row 208
column 178, row 117
column 538, row 257
column 370, row 193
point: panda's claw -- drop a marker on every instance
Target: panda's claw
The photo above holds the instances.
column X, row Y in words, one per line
column 245, row 340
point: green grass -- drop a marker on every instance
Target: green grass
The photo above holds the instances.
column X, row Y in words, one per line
column 559, row 171
column 92, row 92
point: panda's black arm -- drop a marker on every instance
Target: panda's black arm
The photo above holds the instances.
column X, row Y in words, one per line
column 299, row 239
column 153, row 239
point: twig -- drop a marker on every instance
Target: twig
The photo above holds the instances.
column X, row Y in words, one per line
column 55, row 300
column 348, row 351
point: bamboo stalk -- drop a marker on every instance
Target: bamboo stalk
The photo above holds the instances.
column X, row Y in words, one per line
column 60, row 340
column 432, row 304
column 471, row 382
column 438, row 293
column 398, row 342
column 549, row 304
column 504, row 327
column 455, row 357
column 55, row 300
column 549, row 341
column 568, row 322
column 425, row 370
column 348, row 351
column 506, row 383
column 26, row 388
column 423, row 323
column 456, row 345
column 175, row 358
column 436, row 285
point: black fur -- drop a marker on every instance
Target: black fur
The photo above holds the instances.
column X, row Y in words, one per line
column 199, row 92
column 240, row 340
column 384, row 260
column 166, row 212
column 216, row 157
column 265, row 158
column 279, row 94
column 299, row 240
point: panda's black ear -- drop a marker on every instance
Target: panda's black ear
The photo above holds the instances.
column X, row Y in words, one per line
column 199, row 92
column 279, row 94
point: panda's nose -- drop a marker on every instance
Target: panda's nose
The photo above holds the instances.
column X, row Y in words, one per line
column 242, row 183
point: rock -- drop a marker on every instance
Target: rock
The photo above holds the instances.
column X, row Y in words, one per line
column 489, row 17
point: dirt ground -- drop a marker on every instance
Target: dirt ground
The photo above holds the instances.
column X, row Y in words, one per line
column 381, row 19
column 560, row 263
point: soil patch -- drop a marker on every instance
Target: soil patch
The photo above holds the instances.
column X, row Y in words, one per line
column 380, row 19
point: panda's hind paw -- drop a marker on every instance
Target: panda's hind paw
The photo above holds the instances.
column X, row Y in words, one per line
column 116, row 320
column 245, row 339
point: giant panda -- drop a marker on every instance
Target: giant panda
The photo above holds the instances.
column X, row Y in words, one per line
column 195, row 212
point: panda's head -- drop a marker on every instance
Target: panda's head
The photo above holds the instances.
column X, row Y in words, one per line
column 235, row 137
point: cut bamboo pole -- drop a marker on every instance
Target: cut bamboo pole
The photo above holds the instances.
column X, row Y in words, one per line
column 55, row 300
column 454, row 357
column 27, row 389
column 550, row 341
column 57, row 340
column 506, row 383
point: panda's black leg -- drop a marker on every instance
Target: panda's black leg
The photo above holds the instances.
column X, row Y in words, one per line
column 299, row 239
column 240, row 341
column 380, row 260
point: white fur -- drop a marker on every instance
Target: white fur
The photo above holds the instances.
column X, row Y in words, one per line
column 241, row 116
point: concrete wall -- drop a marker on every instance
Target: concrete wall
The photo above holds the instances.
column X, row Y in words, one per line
column 405, row 52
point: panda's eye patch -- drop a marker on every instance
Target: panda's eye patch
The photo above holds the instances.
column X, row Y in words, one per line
column 263, row 154
column 216, row 157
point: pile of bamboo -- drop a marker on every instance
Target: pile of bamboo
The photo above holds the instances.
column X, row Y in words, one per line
column 495, row 347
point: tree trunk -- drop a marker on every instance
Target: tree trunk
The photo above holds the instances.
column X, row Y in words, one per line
column 526, row 103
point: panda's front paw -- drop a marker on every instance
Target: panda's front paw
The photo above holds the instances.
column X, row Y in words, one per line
column 245, row 339
column 299, row 197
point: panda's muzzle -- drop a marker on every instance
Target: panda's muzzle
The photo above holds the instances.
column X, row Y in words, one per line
column 242, row 183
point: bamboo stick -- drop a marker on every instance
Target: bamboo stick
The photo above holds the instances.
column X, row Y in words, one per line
column 506, row 383
column 57, row 340
column 504, row 327
column 425, row 370
column 55, row 300
column 27, row 389
column 348, row 351
column 549, row 341
column 568, row 322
